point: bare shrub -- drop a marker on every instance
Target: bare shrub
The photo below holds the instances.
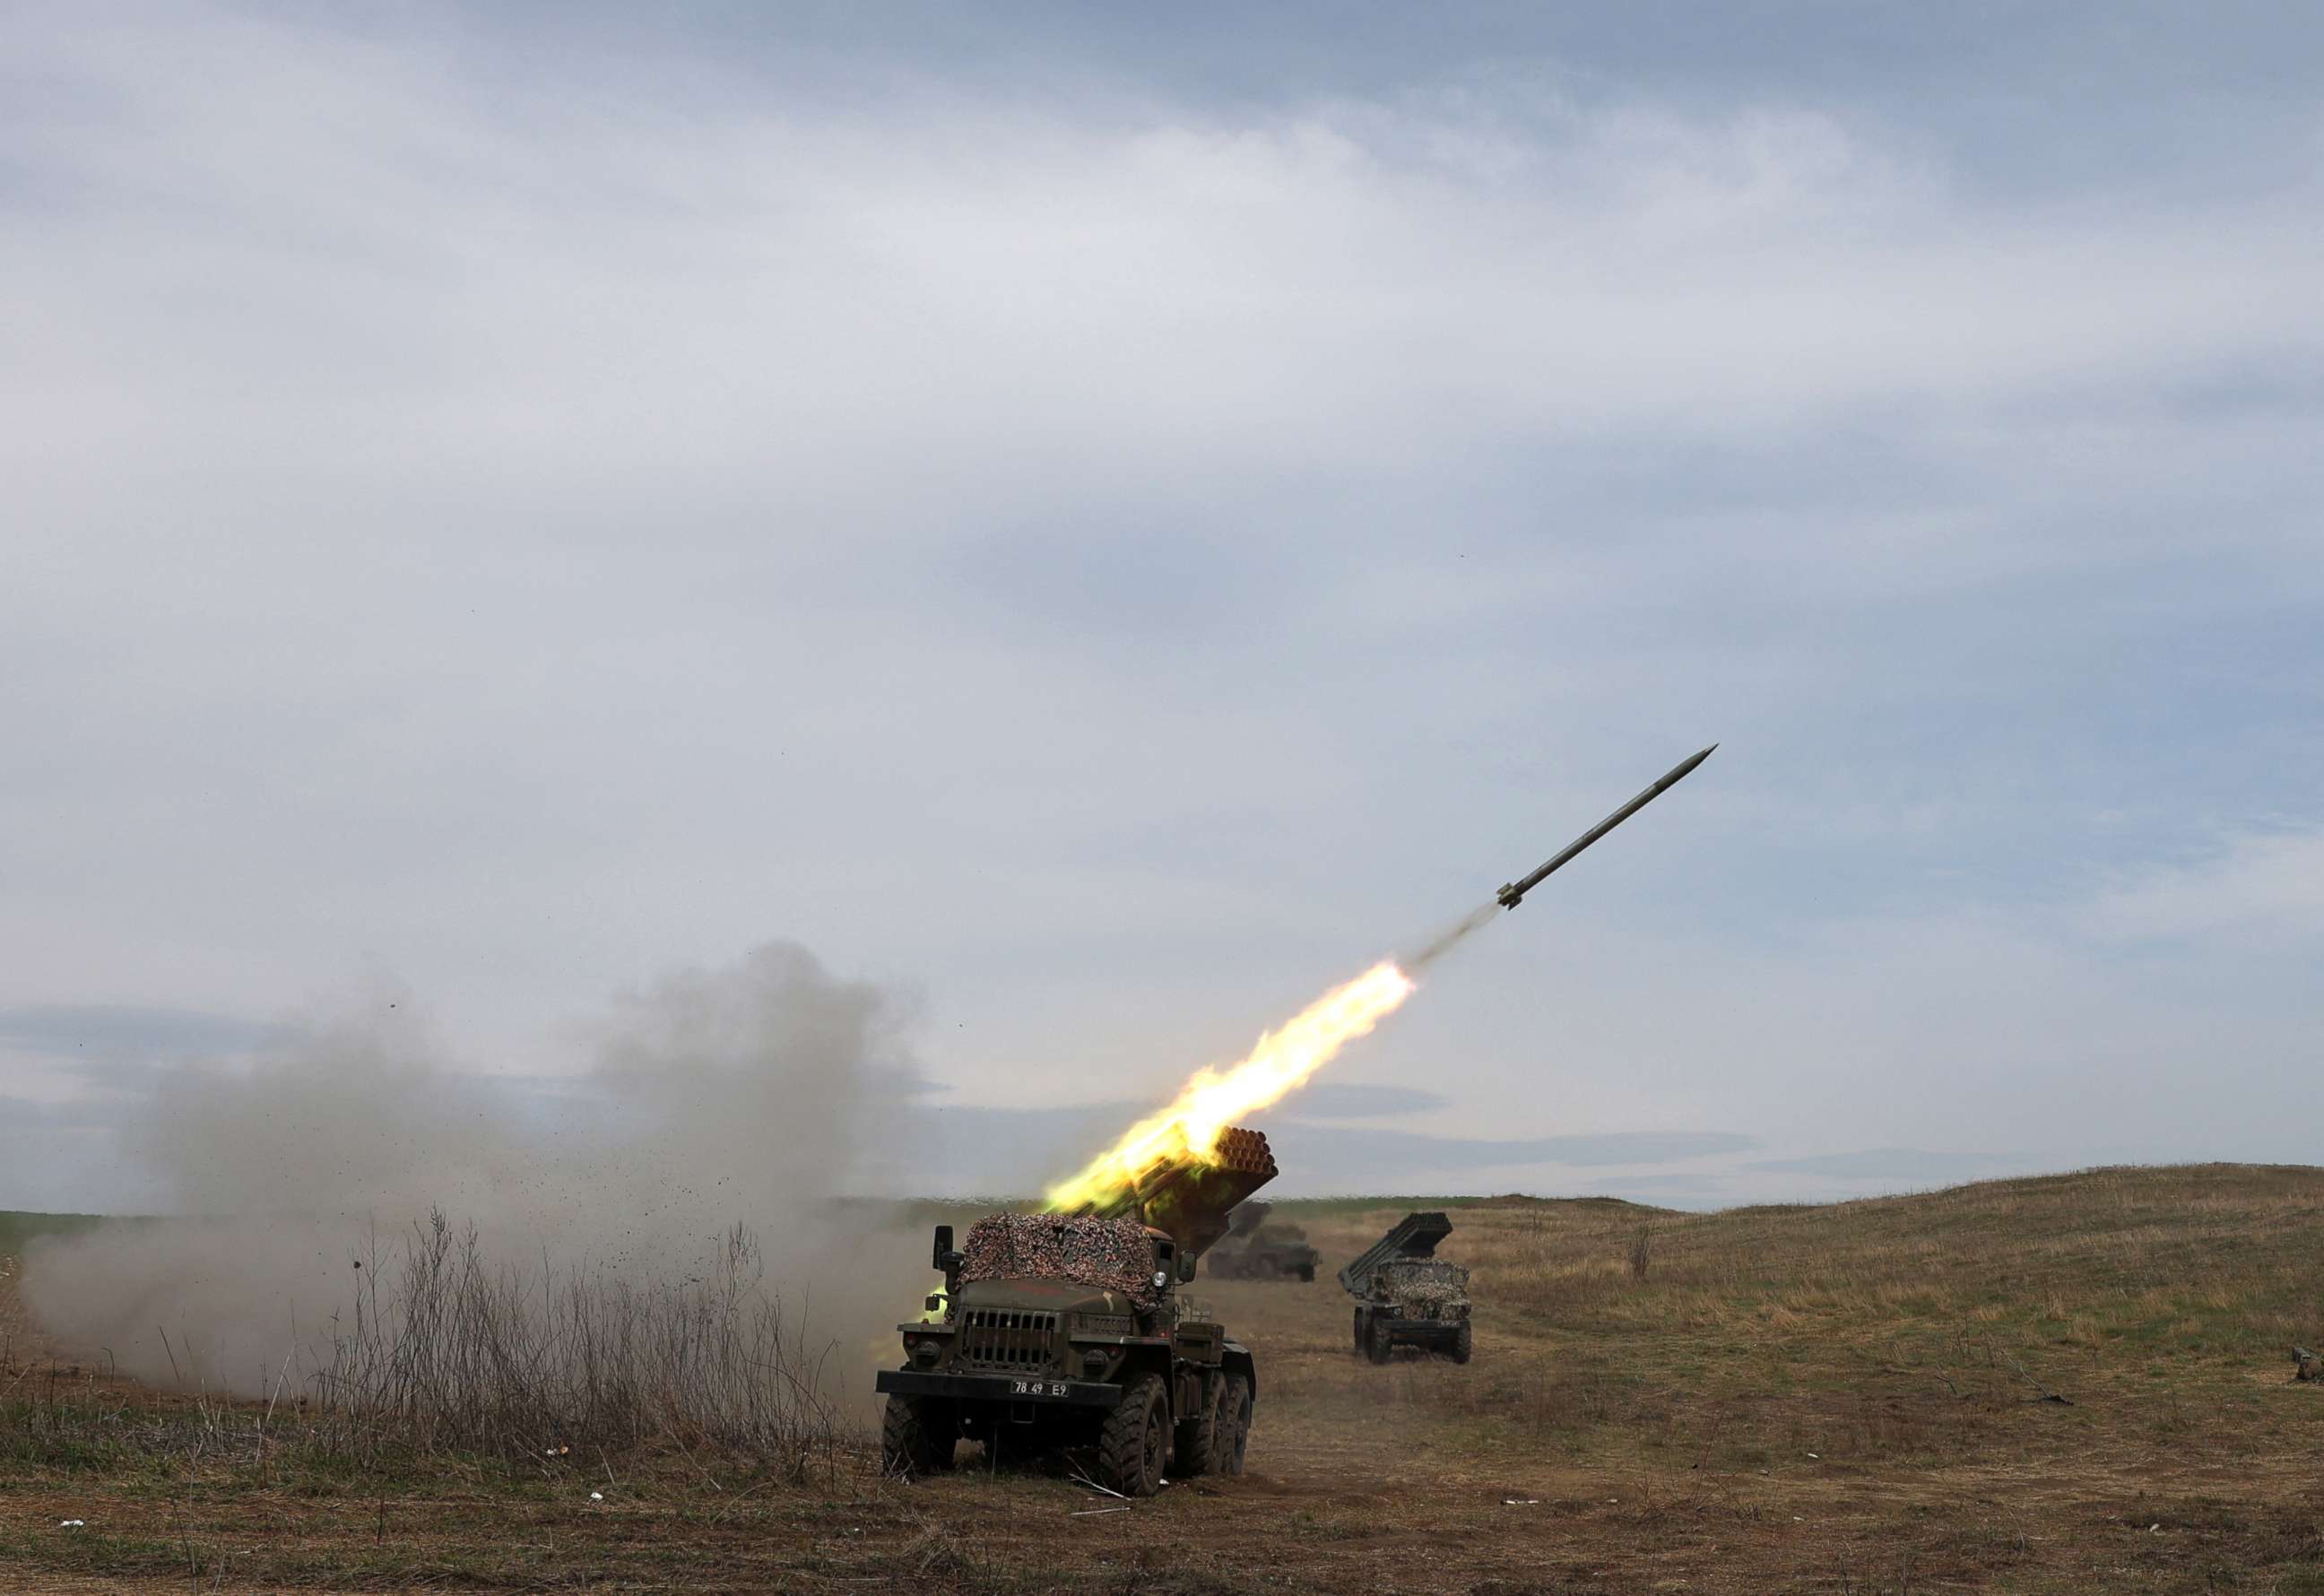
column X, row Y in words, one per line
column 1642, row 1252
column 456, row 1352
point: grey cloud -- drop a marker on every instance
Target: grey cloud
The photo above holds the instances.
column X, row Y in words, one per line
column 1124, row 555
column 1393, row 1151
column 1674, row 1184
column 736, row 1094
column 981, row 1149
column 1355, row 1100
column 2268, row 885
column 29, row 1115
column 1890, row 1163
column 127, row 1033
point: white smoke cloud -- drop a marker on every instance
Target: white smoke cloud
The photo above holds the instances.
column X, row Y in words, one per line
column 718, row 1096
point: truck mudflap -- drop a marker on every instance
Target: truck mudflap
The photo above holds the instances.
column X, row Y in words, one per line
column 1000, row 1388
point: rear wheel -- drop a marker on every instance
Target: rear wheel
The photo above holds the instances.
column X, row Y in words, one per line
column 916, row 1436
column 1195, row 1441
column 1234, row 1426
column 1378, row 1342
column 1461, row 1343
column 1308, row 1271
column 1363, row 1330
column 1132, row 1446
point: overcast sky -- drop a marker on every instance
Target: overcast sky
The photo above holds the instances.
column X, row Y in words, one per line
column 1104, row 521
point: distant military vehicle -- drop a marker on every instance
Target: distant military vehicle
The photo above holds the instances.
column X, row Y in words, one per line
column 1061, row 1330
column 1407, row 1297
column 1256, row 1247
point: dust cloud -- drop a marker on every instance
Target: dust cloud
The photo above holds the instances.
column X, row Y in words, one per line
column 717, row 1096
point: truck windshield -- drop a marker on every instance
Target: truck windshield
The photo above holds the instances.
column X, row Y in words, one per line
column 1108, row 1254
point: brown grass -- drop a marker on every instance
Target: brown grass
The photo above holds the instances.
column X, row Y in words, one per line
column 453, row 1353
column 1851, row 1398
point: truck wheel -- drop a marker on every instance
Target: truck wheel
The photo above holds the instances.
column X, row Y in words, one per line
column 1461, row 1343
column 1196, row 1442
column 917, row 1436
column 1363, row 1330
column 1136, row 1435
column 1378, row 1343
column 1234, row 1426
column 1308, row 1271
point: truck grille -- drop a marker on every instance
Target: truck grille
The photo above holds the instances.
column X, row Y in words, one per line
column 1005, row 1338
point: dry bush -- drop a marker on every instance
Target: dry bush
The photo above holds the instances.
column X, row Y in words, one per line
column 454, row 1352
column 444, row 1353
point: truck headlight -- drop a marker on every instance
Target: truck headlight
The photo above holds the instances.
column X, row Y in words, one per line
column 925, row 1352
column 1093, row 1362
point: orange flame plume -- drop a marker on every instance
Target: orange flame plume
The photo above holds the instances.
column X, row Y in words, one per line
column 1280, row 1064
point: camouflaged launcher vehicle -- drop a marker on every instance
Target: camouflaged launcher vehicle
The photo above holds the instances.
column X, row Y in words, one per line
column 1256, row 1247
column 1407, row 1297
column 1067, row 1330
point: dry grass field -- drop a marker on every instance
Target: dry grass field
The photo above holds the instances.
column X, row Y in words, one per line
column 2074, row 1383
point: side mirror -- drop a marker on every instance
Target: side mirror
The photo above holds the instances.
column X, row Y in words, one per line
column 943, row 1246
column 1185, row 1266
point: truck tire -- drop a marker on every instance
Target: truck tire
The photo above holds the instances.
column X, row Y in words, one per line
column 916, row 1436
column 1233, row 1427
column 1363, row 1330
column 1461, row 1343
column 1308, row 1271
column 1135, row 1439
column 1195, row 1441
column 1379, row 1344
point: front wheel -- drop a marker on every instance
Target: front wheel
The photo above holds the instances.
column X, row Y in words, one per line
column 1379, row 1344
column 916, row 1436
column 1461, row 1343
column 1136, row 1436
column 1234, row 1426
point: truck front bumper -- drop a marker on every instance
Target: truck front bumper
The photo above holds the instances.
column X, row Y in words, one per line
column 1000, row 1388
column 1414, row 1330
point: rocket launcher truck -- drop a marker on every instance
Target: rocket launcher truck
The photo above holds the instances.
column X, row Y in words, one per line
column 1061, row 1330
column 1258, row 1247
column 1407, row 1297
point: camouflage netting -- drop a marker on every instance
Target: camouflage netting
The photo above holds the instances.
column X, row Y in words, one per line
column 1110, row 1254
column 1429, row 1282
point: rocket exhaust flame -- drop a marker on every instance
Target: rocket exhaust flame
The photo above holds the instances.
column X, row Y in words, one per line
column 1279, row 1064
column 1187, row 1131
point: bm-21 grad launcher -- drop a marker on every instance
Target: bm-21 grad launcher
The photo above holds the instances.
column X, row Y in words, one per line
column 1258, row 1247
column 1063, row 1329
column 1407, row 1297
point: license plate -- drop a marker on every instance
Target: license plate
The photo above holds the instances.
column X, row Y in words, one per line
column 1036, row 1387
